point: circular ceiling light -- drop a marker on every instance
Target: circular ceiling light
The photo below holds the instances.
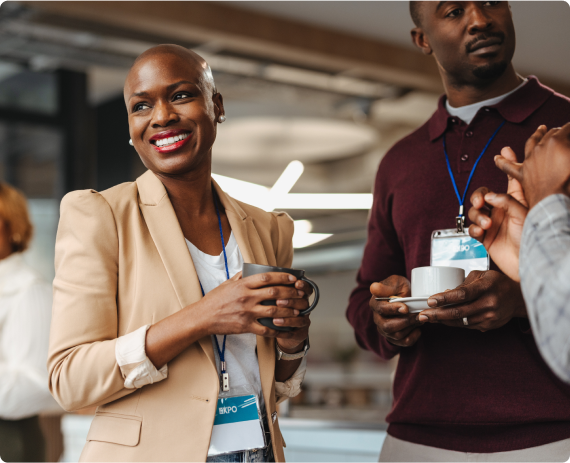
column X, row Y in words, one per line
column 277, row 140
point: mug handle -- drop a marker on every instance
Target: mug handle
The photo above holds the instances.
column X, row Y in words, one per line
column 316, row 300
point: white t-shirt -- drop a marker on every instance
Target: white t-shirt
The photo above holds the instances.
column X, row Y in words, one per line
column 468, row 112
column 240, row 355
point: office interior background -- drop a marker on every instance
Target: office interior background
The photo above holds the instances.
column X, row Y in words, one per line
column 315, row 94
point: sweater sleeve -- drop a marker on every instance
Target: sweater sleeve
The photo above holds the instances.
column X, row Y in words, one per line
column 83, row 369
column 382, row 258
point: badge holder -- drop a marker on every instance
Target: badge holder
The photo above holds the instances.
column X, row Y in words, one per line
column 453, row 248
column 238, row 425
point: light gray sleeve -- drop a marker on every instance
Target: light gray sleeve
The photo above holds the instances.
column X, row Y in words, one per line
column 544, row 269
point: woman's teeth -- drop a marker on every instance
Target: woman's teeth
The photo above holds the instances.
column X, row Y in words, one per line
column 170, row 140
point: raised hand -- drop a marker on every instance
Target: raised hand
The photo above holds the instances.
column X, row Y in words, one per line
column 498, row 227
column 546, row 168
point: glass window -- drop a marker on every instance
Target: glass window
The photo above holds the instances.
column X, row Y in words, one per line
column 30, row 159
column 26, row 90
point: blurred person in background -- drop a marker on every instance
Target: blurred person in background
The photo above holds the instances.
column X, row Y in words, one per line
column 148, row 278
column 470, row 384
column 25, row 313
column 527, row 233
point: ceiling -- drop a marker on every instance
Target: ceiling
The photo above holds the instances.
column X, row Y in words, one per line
column 541, row 26
column 282, row 107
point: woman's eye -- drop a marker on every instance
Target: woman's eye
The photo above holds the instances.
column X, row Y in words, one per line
column 491, row 3
column 140, row 107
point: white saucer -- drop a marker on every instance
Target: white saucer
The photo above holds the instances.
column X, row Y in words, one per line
column 415, row 304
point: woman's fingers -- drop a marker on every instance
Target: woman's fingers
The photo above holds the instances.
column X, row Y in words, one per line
column 272, row 311
column 477, row 232
column 480, row 217
column 269, row 279
column 510, row 168
column 276, row 293
column 534, row 140
column 478, row 197
column 508, row 204
column 305, row 287
column 295, row 322
column 299, row 304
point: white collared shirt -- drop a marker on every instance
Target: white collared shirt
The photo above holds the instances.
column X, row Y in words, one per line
column 25, row 316
column 467, row 113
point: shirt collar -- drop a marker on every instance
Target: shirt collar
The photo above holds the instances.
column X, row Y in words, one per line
column 10, row 264
column 515, row 108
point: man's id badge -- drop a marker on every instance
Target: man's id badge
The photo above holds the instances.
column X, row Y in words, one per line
column 237, row 425
column 450, row 248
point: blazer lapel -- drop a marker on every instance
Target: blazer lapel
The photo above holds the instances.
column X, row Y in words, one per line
column 167, row 235
column 243, row 229
column 253, row 252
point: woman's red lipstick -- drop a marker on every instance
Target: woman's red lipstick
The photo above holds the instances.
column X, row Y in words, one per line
column 178, row 139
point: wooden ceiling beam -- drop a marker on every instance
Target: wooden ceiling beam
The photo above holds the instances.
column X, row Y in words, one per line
column 260, row 35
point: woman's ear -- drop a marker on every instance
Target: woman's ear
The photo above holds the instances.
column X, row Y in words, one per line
column 219, row 110
column 421, row 41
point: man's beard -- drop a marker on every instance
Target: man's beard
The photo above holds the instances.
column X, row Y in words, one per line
column 490, row 72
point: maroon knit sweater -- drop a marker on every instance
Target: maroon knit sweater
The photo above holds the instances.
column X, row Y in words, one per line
column 458, row 389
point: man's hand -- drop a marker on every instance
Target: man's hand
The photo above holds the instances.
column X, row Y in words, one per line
column 487, row 299
column 546, row 168
column 499, row 227
column 394, row 320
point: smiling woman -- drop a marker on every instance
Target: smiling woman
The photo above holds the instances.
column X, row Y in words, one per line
column 148, row 287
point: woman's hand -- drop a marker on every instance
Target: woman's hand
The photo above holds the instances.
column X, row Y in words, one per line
column 231, row 308
column 235, row 306
column 294, row 341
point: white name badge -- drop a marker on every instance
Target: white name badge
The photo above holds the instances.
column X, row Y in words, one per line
column 237, row 425
column 450, row 248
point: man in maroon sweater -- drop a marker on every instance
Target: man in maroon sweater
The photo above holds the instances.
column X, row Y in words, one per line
column 462, row 392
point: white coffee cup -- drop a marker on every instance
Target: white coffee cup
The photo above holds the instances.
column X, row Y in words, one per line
column 427, row 281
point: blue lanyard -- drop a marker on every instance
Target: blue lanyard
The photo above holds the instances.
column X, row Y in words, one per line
column 222, row 352
column 460, row 219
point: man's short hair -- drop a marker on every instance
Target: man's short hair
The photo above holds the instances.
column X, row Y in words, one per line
column 415, row 13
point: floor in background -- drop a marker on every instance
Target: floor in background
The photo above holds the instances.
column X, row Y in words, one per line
column 316, row 440
column 307, row 440
column 345, row 413
column 51, row 429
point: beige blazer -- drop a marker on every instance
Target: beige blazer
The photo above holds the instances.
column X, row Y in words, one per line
column 122, row 262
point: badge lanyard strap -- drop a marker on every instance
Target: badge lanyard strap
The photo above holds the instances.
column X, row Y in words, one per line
column 222, row 352
column 460, row 219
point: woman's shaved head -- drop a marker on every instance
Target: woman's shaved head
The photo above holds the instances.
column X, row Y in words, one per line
column 173, row 109
column 207, row 79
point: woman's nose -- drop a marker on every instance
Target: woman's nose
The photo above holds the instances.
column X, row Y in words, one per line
column 163, row 115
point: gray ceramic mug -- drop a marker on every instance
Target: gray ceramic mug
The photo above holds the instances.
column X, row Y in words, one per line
column 255, row 269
